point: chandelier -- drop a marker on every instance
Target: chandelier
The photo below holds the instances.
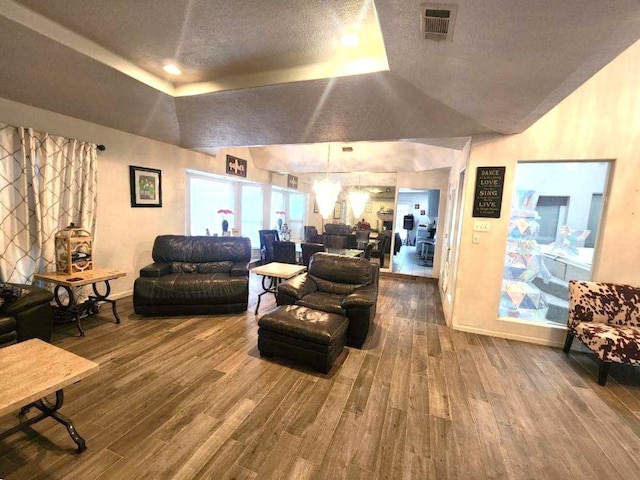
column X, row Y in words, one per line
column 326, row 191
column 358, row 199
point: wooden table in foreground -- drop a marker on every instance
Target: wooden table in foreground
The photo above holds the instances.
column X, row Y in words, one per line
column 31, row 370
column 275, row 272
column 71, row 311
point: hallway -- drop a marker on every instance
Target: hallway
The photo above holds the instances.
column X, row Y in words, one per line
column 407, row 262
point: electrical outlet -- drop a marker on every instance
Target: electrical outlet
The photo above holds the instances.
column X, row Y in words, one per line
column 475, row 238
column 481, row 226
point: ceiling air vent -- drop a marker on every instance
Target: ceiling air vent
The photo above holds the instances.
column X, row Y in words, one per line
column 347, row 149
column 437, row 21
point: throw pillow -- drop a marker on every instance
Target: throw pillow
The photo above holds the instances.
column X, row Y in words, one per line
column 9, row 293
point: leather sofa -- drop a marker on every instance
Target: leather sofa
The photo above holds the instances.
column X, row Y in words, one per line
column 337, row 284
column 337, row 235
column 194, row 276
column 30, row 315
column 336, row 229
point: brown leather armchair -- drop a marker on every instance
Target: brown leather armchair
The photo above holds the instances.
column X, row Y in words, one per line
column 337, row 284
column 25, row 315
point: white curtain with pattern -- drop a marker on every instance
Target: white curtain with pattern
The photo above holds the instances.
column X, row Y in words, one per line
column 46, row 182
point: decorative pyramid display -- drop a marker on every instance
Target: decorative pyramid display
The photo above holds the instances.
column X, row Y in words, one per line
column 520, row 298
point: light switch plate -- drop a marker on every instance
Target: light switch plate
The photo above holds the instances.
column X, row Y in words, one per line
column 481, row 226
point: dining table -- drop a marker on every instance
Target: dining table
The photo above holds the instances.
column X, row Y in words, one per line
column 348, row 252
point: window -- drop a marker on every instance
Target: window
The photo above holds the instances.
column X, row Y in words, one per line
column 277, row 205
column 297, row 207
column 206, row 197
column 209, row 193
column 553, row 215
column 555, row 211
column 594, row 219
column 251, row 213
column 294, row 206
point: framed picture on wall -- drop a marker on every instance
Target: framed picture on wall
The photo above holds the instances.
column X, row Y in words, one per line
column 416, row 206
column 146, row 186
column 337, row 211
column 423, row 212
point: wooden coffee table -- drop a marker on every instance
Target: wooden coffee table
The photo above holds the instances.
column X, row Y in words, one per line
column 71, row 311
column 274, row 273
column 31, row 370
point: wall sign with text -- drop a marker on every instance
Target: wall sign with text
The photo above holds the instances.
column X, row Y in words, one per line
column 487, row 199
column 236, row 166
column 292, row 181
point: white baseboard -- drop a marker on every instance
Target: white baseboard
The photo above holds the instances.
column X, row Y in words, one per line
column 119, row 295
column 510, row 336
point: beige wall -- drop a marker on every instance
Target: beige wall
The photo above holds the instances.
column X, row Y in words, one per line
column 125, row 235
column 600, row 120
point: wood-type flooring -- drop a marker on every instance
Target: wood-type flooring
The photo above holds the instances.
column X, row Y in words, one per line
column 190, row 397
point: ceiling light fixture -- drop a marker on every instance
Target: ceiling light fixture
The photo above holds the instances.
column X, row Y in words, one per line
column 350, row 39
column 326, row 191
column 172, row 69
column 358, row 199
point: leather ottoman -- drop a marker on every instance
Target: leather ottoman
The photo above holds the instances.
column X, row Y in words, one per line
column 302, row 334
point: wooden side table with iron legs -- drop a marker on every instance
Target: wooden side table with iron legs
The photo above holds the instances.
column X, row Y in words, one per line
column 274, row 273
column 71, row 311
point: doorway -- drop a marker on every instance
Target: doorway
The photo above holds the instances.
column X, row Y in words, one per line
column 416, row 225
column 454, row 227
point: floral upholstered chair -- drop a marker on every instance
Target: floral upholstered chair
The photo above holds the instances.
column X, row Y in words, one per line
column 606, row 318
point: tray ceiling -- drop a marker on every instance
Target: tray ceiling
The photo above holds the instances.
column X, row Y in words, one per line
column 262, row 70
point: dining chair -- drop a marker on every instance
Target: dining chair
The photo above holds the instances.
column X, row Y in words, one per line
column 284, row 252
column 379, row 250
column 362, row 238
column 266, row 253
column 335, row 241
column 267, row 237
column 367, row 250
column 308, row 249
column 311, row 234
column 351, row 241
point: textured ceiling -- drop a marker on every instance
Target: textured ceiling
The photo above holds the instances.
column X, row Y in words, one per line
column 380, row 106
column 373, row 157
column 510, row 61
column 507, row 65
column 214, row 38
column 47, row 75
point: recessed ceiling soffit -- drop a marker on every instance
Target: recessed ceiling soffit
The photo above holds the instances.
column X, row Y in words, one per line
column 304, row 52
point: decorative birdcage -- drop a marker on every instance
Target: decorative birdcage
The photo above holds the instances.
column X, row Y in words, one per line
column 74, row 247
